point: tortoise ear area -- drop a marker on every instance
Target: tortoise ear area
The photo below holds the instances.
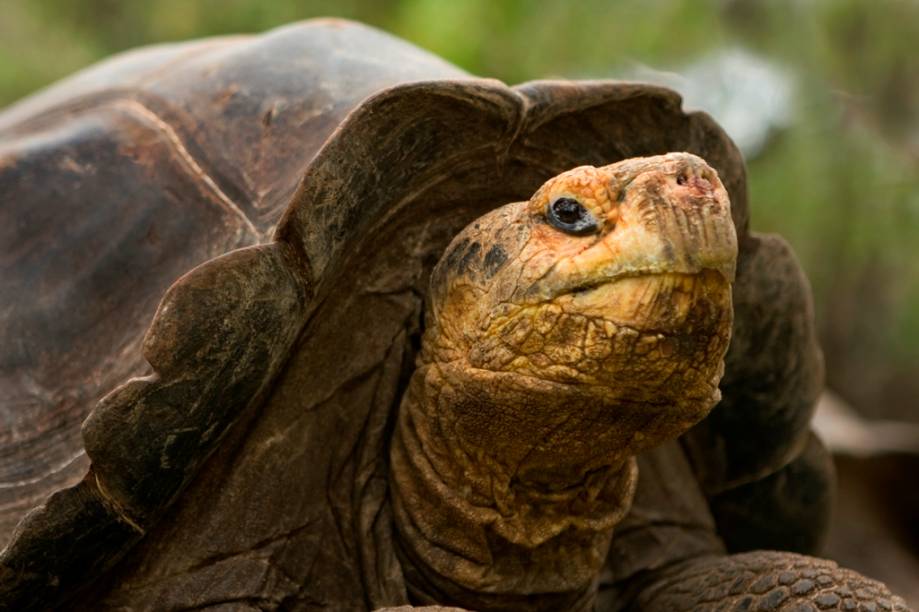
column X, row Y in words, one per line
column 479, row 254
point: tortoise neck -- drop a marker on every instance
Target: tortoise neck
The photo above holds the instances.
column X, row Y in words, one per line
column 470, row 533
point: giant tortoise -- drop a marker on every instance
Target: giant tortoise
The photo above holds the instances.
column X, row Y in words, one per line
column 221, row 257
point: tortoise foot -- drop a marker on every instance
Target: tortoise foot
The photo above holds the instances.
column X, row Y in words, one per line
column 767, row 580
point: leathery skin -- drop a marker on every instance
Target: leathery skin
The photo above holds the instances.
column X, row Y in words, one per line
column 551, row 357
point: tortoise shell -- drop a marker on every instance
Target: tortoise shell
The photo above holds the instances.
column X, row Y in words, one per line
column 290, row 193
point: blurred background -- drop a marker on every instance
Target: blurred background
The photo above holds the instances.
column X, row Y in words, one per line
column 822, row 96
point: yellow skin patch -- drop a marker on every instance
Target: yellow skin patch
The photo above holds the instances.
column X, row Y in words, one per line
column 595, row 336
column 663, row 248
column 551, row 357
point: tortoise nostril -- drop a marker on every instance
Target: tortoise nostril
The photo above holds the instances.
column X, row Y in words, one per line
column 696, row 178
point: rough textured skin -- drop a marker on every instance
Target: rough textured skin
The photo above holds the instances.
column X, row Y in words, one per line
column 419, row 609
column 247, row 467
column 766, row 581
column 543, row 374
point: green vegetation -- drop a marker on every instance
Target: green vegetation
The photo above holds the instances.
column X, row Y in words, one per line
column 841, row 183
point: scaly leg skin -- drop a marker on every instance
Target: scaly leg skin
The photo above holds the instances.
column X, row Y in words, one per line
column 764, row 580
column 422, row 609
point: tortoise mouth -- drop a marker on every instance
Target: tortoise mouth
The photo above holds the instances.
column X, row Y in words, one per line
column 712, row 276
column 714, row 269
column 659, row 302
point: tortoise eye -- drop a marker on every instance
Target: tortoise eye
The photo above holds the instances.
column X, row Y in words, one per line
column 570, row 216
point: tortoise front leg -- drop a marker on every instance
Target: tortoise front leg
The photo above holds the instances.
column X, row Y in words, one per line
column 765, row 580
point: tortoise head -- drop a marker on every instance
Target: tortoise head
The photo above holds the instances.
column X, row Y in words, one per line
column 610, row 287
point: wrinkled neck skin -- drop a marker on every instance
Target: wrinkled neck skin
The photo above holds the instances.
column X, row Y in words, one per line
column 474, row 531
column 542, row 377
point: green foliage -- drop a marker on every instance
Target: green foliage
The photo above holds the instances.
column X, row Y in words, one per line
column 841, row 183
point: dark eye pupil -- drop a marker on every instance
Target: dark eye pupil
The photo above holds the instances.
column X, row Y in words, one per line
column 568, row 210
column 570, row 216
